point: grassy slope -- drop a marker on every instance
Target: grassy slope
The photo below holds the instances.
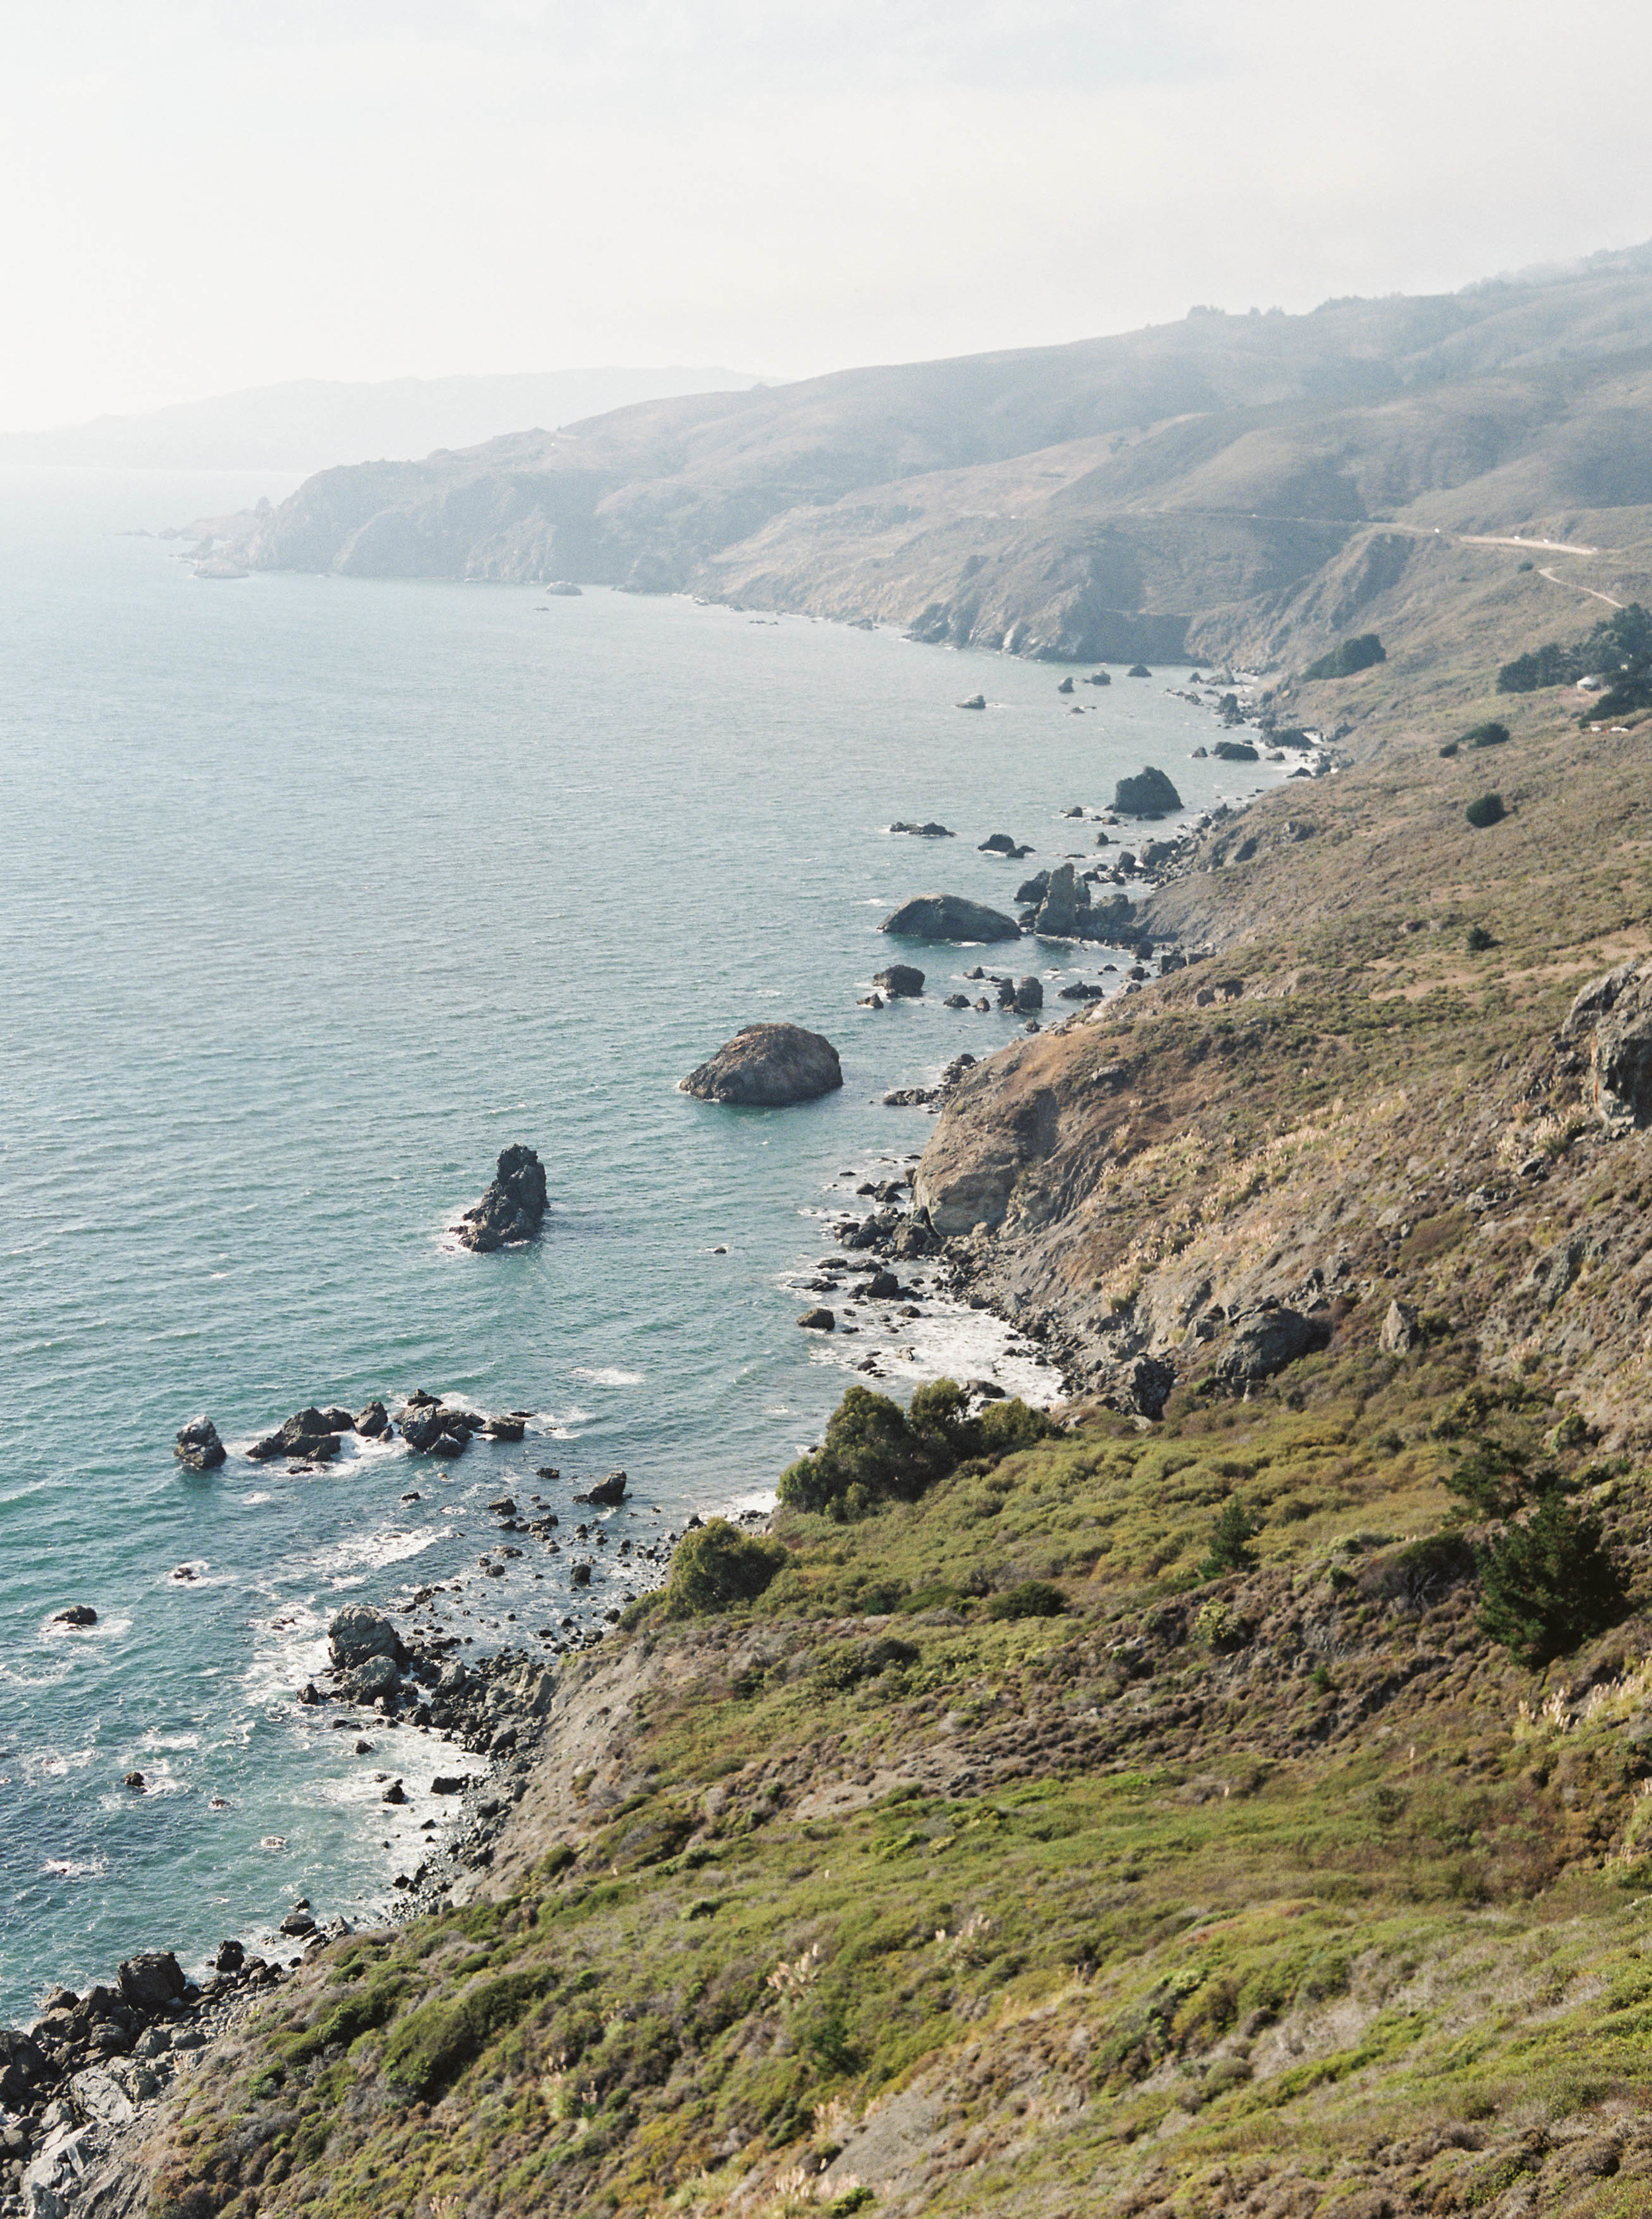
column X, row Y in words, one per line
column 1287, row 1893
column 1267, row 1879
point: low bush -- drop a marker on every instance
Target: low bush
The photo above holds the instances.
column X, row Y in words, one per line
column 1348, row 656
column 1031, row 1599
column 1490, row 734
column 1485, row 809
column 433, row 2045
column 718, row 1566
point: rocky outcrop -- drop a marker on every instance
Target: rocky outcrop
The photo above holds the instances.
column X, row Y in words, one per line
column 197, row 1445
column 901, row 981
column 1149, row 793
column 949, row 916
column 931, row 831
column 1063, row 913
column 768, row 1068
column 608, row 1492
column 358, row 1633
column 1264, row 1342
column 1612, row 1017
column 310, row 1435
column 513, row 1208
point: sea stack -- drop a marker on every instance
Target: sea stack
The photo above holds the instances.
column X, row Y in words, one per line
column 513, row 1208
column 768, row 1068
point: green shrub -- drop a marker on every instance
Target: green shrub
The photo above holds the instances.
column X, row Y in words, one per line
column 1348, row 656
column 1031, row 1599
column 1230, row 1540
column 432, row 2046
column 718, row 1566
column 1490, row 734
column 1449, row 749
column 1488, row 1479
column 357, row 2014
column 1479, row 940
column 1485, row 809
column 875, row 1452
column 1549, row 1584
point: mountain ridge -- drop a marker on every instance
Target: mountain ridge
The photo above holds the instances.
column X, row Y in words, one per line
column 1232, row 486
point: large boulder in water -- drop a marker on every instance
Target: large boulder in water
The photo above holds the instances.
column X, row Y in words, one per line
column 359, row 1632
column 900, row 980
column 949, row 916
column 768, row 1068
column 1149, row 793
column 513, row 1208
column 198, row 1445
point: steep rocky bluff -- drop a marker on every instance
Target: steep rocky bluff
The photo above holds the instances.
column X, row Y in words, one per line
column 1362, row 1104
column 1245, row 486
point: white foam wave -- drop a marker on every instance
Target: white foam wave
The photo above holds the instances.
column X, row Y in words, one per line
column 74, row 1868
column 607, row 1376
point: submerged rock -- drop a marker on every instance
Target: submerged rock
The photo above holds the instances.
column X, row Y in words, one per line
column 513, row 1208
column 975, row 701
column 768, row 1068
column 931, row 831
column 78, row 1613
column 949, row 916
column 198, row 1445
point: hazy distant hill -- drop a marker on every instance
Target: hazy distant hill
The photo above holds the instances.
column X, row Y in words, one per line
column 312, row 423
column 1240, row 484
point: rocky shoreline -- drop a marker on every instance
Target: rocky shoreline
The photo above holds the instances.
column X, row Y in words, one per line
column 76, row 2086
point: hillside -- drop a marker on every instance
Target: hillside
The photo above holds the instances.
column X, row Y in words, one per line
column 1236, row 1802
column 1244, row 486
column 308, row 424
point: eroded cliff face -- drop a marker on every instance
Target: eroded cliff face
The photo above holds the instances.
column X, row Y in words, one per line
column 1180, row 1188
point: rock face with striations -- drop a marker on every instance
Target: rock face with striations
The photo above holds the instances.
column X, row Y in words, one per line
column 1614, row 1014
column 949, row 916
column 768, row 1068
column 1149, row 793
column 513, row 1208
column 1063, row 913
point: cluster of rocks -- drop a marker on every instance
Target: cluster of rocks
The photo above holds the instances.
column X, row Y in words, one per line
column 924, row 831
column 73, row 2081
column 512, row 1210
column 315, row 1436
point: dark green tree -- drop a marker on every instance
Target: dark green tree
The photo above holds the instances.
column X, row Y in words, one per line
column 1230, row 1541
column 1485, row 809
column 1548, row 1584
column 875, row 1452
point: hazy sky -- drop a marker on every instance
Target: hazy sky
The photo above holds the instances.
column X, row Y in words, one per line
column 201, row 194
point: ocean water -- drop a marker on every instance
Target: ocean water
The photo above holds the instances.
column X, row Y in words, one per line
column 317, row 894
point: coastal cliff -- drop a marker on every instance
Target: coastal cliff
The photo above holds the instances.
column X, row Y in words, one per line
column 1219, row 1804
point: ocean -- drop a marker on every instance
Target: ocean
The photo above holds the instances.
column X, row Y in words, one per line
column 319, row 893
